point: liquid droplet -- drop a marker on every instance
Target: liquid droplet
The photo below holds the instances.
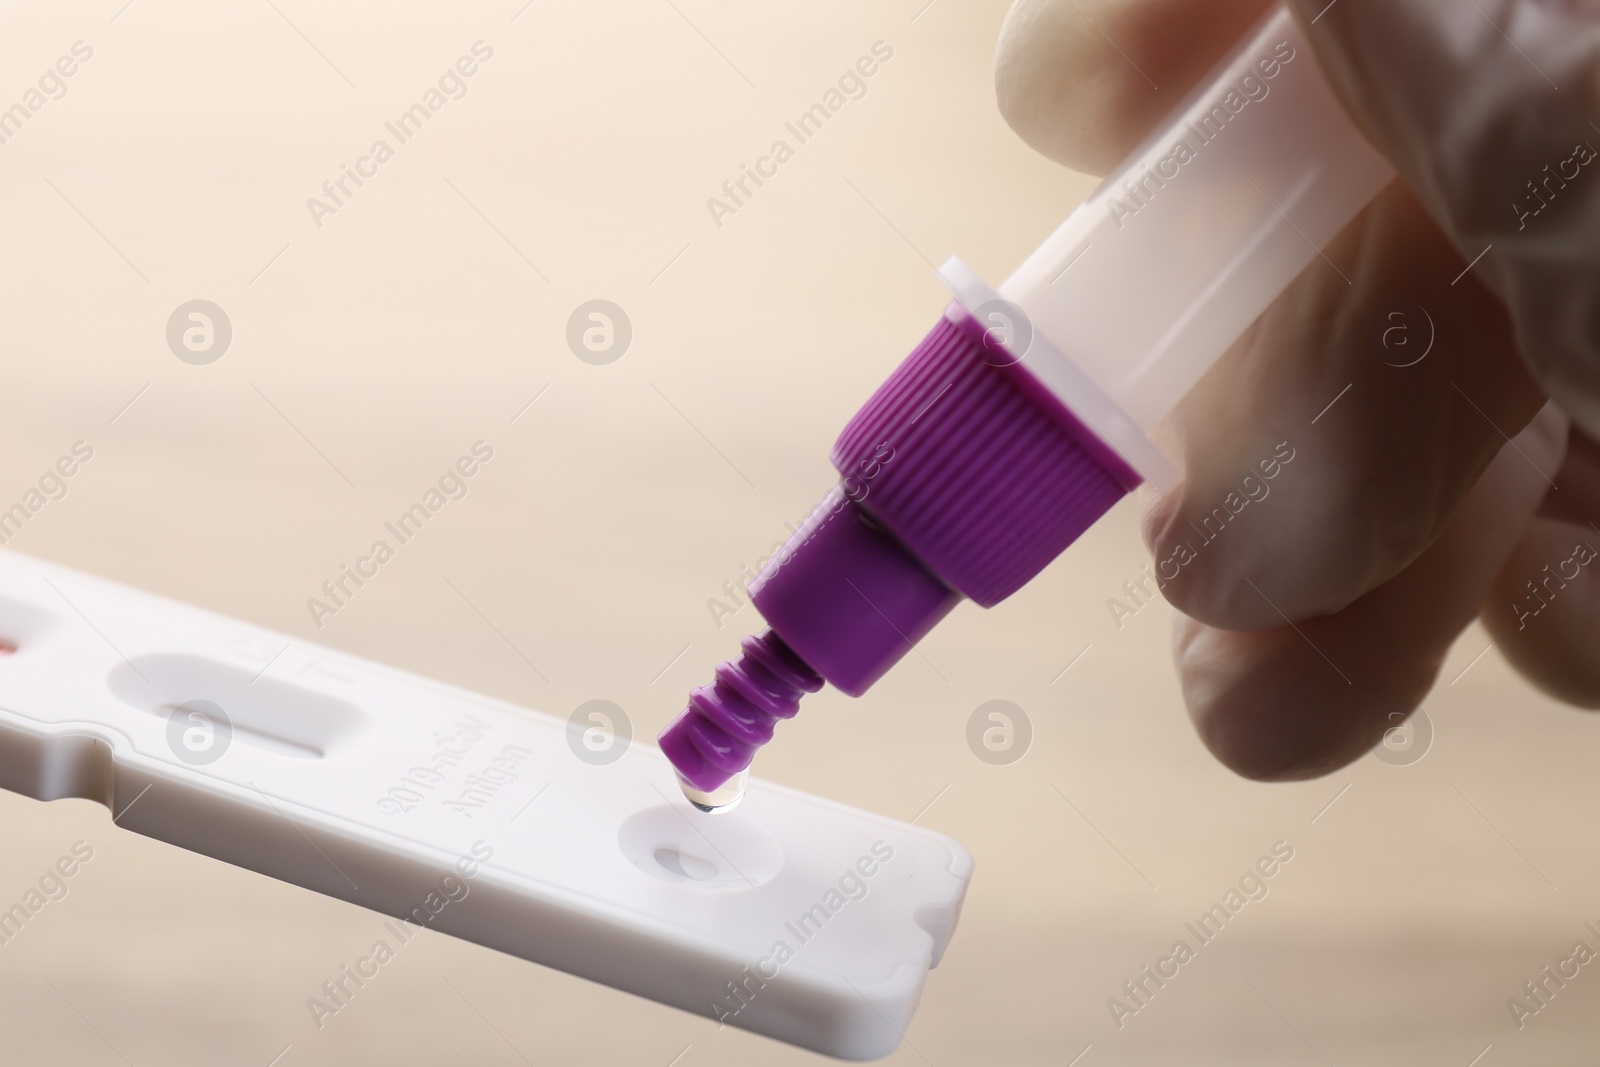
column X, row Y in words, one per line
column 724, row 797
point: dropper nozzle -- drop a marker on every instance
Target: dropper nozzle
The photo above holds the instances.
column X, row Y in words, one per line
column 713, row 741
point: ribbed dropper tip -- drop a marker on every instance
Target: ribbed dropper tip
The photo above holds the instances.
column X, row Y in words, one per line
column 717, row 735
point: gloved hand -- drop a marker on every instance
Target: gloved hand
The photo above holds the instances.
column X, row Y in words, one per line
column 1428, row 494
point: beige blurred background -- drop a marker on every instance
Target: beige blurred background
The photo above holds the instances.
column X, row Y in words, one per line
column 370, row 352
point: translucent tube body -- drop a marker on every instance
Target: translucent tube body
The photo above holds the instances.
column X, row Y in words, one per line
column 1172, row 258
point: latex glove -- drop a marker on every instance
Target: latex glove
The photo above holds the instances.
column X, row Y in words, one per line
column 1321, row 616
column 1487, row 110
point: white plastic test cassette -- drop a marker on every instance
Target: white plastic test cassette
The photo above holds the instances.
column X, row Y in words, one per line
column 794, row 917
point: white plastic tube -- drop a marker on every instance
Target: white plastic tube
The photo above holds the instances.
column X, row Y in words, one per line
column 1173, row 257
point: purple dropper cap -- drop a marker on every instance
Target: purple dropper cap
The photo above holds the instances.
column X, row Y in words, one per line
column 962, row 476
